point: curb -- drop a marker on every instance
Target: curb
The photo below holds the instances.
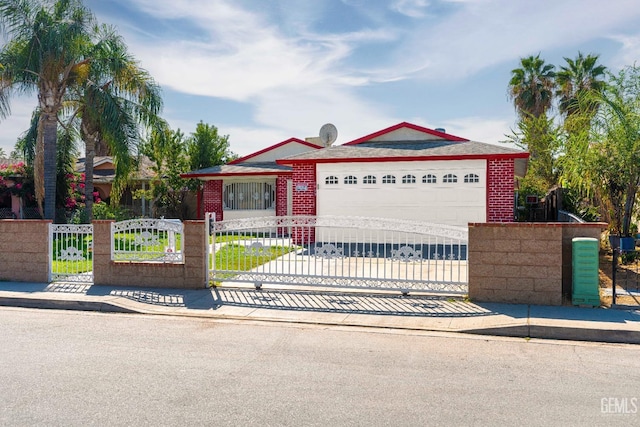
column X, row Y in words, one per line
column 610, row 336
column 518, row 331
column 99, row 306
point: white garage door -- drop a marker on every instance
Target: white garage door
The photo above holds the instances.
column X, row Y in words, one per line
column 443, row 192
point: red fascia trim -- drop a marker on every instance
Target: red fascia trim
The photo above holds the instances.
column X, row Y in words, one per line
column 407, row 158
column 205, row 175
column 273, row 147
column 443, row 135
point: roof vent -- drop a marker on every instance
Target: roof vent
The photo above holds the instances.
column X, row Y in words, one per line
column 440, row 130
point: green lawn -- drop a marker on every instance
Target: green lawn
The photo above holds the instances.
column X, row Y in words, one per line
column 127, row 242
column 234, row 257
column 84, row 250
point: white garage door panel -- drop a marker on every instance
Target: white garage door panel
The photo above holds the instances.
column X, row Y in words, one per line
column 446, row 203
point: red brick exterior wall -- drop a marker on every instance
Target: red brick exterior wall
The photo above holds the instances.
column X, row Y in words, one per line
column 304, row 200
column 281, row 195
column 212, row 198
column 500, row 176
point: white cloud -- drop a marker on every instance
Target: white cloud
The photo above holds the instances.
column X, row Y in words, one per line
column 629, row 52
column 489, row 130
column 411, row 8
column 479, row 35
column 296, row 79
column 243, row 55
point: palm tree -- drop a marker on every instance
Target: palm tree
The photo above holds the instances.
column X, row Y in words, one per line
column 45, row 52
column 531, row 87
column 112, row 101
column 574, row 80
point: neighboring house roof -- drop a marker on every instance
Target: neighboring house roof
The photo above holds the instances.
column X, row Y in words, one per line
column 104, row 170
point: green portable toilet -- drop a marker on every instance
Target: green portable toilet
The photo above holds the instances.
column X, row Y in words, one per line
column 584, row 264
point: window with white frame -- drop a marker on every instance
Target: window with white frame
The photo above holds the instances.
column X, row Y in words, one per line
column 449, row 178
column 369, row 179
column 249, row 196
column 388, row 179
column 350, row 180
column 331, row 180
column 472, row 177
column 429, row 179
column 409, row 179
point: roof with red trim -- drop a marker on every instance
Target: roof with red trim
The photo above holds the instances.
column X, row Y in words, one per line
column 291, row 141
column 406, row 141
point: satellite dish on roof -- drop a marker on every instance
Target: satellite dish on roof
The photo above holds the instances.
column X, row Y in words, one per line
column 328, row 134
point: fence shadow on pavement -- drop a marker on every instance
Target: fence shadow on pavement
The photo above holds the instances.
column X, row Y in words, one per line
column 349, row 302
column 326, row 301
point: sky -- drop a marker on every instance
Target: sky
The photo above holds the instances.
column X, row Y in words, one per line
column 263, row 71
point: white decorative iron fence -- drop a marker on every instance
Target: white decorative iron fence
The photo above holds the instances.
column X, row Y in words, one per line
column 71, row 252
column 338, row 252
column 147, row 240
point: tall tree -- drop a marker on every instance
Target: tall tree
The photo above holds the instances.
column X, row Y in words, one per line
column 45, row 52
column 531, row 87
column 574, row 80
column 605, row 158
column 113, row 100
column 207, row 148
column 167, row 149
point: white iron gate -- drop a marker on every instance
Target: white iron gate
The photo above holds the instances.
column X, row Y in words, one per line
column 338, row 252
column 71, row 252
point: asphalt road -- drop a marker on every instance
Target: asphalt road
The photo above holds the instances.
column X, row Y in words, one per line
column 75, row 368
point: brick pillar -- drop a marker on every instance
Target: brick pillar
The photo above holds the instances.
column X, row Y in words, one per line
column 102, row 266
column 212, row 198
column 195, row 255
column 281, row 195
column 304, row 200
column 281, row 200
column 500, row 176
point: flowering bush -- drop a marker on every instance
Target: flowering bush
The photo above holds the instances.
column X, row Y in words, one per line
column 12, row 170
column 17, row 179
column 76, row 197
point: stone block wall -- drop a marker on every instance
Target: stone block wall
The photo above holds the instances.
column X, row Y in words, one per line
column 188, row 275
column 24, row 250
column 523, row 263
